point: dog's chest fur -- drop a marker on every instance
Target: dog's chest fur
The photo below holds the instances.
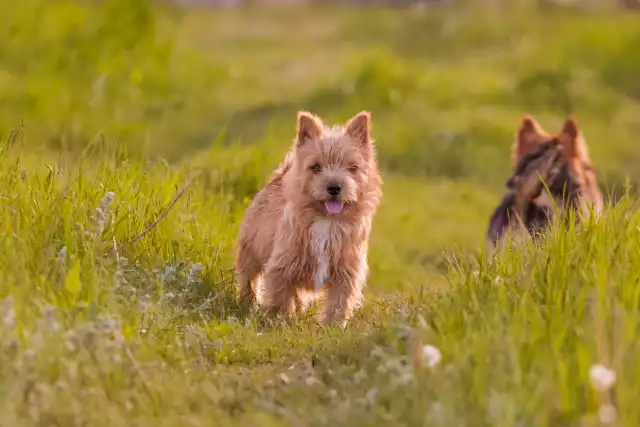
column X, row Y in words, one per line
column 327, row 238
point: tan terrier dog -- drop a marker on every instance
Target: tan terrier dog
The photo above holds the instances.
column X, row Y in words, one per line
column 308, row 229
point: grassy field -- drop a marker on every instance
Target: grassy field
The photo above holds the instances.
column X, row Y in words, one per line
column 133, row 138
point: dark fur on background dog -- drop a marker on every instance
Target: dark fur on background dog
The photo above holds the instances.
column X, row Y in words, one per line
column 560, row 162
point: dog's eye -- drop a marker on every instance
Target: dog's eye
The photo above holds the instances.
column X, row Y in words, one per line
column 353, row 169
column 316, row 168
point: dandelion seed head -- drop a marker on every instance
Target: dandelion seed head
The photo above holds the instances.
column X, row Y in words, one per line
column 431, row 356
column 602, row 378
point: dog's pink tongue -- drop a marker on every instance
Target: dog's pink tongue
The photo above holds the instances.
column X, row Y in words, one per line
column 333, row 207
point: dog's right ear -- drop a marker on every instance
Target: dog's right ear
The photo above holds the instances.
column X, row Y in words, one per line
column 359, row 127
column 529, row 135
column 308, row 128
column 573, row 142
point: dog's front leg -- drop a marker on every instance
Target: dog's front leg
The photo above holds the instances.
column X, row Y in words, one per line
column 344, row 293
column 280, row 292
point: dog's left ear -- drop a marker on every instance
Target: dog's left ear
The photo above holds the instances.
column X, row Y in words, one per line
column 572, row 141
column 529, row 136
column 309, row 127
column 359, row 127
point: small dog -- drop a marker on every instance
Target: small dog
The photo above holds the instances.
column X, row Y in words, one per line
column 562, row 163
column 310, row 225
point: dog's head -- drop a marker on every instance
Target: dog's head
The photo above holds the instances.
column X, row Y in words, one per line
column 332, row 166
column 561, row 161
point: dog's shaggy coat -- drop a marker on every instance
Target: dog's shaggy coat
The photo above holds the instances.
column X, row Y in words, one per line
column 307, row 231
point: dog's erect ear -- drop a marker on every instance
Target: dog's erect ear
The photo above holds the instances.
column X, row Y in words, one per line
column 570, row 128
column 308, row 128
column 529, row 135
column 529, row 126
column 359, row 127
column 572, row 141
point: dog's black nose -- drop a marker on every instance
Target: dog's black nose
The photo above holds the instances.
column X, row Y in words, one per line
column 333, row 188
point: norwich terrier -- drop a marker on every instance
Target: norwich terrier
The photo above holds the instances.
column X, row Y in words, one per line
column 560, row 162
column 306, row 233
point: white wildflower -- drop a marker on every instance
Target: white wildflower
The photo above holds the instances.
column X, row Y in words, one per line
column 602, row 378
column 431, row 356
column 607, row 413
